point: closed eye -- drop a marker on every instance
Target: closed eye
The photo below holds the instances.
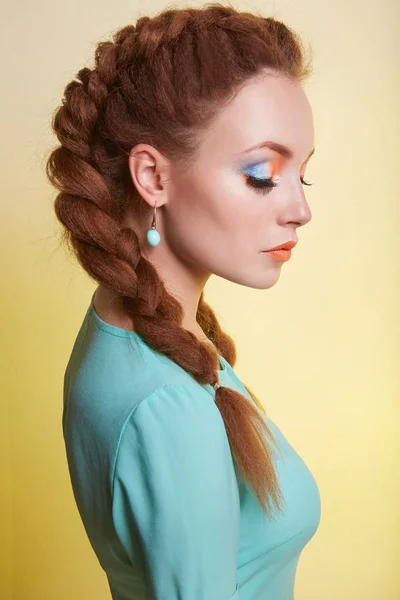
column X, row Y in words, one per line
column 264, row 185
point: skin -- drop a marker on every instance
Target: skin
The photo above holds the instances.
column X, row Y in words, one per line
column 209, row 220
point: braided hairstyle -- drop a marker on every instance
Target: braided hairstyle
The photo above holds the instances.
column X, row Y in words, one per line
column 161, row 82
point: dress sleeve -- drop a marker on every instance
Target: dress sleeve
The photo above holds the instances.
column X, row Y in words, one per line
column 175, row 499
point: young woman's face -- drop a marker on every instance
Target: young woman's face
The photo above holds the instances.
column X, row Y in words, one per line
column 217, row 219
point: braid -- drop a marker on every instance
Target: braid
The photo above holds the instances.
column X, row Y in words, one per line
column 165, row 70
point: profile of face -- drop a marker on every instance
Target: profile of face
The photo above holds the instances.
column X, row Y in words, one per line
column 243, row 195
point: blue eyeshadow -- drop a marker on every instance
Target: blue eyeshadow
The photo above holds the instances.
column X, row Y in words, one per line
column 256, row 170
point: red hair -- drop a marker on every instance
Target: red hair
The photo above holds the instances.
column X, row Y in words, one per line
column 161, row 82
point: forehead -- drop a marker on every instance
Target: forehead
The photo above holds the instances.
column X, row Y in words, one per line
column 273, row 108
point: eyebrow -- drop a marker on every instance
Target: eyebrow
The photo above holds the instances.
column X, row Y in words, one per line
column 283, row 150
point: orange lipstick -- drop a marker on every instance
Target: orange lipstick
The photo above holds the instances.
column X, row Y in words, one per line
column 282, row 252
column 282, row 255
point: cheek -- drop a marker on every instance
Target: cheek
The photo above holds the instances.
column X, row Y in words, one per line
column 201, row 199
column 214, row 217
column 194, row 219
column 244, row 215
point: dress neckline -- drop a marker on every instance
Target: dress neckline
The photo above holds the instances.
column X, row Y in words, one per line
column 121, row 332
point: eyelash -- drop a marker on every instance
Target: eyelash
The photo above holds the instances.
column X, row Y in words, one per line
column 264, row 186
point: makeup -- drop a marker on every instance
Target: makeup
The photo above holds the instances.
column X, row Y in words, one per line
column 260, row 176
column 280, row 255
column 263, row 169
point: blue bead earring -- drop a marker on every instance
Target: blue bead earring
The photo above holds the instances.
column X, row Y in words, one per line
column 153, row 237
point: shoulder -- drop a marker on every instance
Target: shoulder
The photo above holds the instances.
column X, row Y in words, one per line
column 174, row 437
column 111, row 371
column 176, row 414
column 175, row 406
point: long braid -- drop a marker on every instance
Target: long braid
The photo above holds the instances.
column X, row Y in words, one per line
column 157, row 83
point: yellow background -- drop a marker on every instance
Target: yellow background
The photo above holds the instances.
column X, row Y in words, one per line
column 320, row 349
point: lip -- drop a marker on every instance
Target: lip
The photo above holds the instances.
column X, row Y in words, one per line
column 286, row 246
column 280, row 255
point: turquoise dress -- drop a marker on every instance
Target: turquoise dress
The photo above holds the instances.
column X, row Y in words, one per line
column 155, row 484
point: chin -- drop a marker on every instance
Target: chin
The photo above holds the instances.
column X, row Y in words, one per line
column 256, row 278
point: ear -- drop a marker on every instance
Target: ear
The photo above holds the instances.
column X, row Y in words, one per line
column 149, row 170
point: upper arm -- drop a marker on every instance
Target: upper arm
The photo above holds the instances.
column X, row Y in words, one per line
column 175, row 496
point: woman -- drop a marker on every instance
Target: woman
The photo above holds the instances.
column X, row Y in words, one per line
column 182, row 154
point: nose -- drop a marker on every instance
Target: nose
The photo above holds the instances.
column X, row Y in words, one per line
column 298, row 212
column 304, row 215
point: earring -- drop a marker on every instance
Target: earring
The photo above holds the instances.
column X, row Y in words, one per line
column 153, row 237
